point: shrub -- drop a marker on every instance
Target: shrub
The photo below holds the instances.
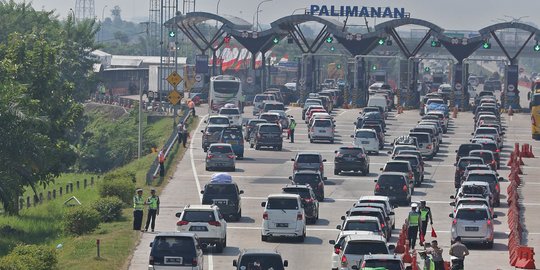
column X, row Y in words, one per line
column 80, row 220
column 30, row 257
column 120, row 185
column 109, row 208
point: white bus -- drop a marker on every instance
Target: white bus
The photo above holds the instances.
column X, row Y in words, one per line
column 224, row 89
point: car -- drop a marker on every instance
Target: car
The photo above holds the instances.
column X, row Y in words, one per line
column 311, row 178
column 273, row 106
column 224, row 193
column 418, row 169
column 308, row 161
column 354, row 247
column 217, row 120
column 258, row 102
column 465, row 148
column 283, row 118
column 492, row 146
column 474, row 224
column 432, row 131
column 490, row 131
column 400, row 166
column 395, row 185
column 474, row 189
column 310, row 102
column 234, row 115
column 220, row 156
column 362, row 223
column 283, row 216
column 207, row 222
column 250, row 126
column 443, row 118
column 271, row 118
column 375, row 116
column 472, row 201
column 267, row 135
column 405, row 140
column 319, row 115
column 425, row 144
column 313, row 110
column 380, row 133
column 233, row 136
column 322, row 130
column 338, row 244
column 309, row 200
column 260, row 259
column 414, row 153
column 351, row 158
column 388, row 208
column 382, row 261
column 489, row 177
column 379, row 101
column 384, row 220
column 492, row 85
column 368, row 139
column 211, row 134
column 175, row 250
column 461, row 166
column 487, row 156
column 400, row 148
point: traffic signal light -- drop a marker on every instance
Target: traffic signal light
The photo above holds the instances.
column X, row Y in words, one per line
column 374, row 67
column 338, row 66
column 332, row 48
column 382, row 41
column 536, row 48
column 172, row 33
column 329, row 39
column 427, row 69
column 435, row 43
column 486, row 45
column 275, row 40
column 227, row 40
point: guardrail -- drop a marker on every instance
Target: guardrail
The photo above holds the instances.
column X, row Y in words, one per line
column 128, row 103
column 154, row 168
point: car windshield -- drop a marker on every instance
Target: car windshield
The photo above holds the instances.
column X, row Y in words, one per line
column 365, row 247
column 220, row 149
column 307, row 179
column 472, row 214
column 229, row 111
column 218, row 120
column 270, row 117
column 198, row 216
column 383, row 264
column 396, row 167
column 308, row 159
column 412, row 160
column 351, row 152
column 173, row 246
column 268, row 107
column 282, row 203
column 261, row 262
column 365, row 134
column 220, row 189
column 270, row 129
column 304, row 193
column 322, row 123
column 466, row 162
column 361, row 225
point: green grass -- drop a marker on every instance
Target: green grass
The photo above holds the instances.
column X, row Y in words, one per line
column 43, row 224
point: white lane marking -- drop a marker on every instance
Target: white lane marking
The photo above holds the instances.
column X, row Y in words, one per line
column 341, row 113
column 198, row 183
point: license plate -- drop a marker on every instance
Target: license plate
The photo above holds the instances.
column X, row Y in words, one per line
column 282, row 225
column 232, row 142
column 198, row 229
column 222, row 202
column 349, row 159
column 322, row 131
column 172, row 260
column 365, row 142
column 471, row 229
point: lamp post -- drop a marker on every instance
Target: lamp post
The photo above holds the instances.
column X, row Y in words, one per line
column 72, row 14
column 102, row 19
column 258, row 6
column 217, row 7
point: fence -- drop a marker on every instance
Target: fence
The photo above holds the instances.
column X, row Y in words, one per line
column 57, row 192
column 127, row 103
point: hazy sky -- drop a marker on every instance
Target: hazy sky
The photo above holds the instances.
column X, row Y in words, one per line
column 449, row 14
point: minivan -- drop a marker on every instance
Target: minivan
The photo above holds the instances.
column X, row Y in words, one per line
column 379, row 101
column 366, row 138
column 283, row 217
column 425, row 144
column 322, row 129
column 394, row 185
column 175, row 250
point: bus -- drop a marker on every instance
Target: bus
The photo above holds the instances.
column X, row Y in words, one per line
column 535, row 116
column 224, row 89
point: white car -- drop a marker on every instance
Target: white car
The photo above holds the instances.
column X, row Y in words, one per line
column 322, row 129
column 354, row 247
column 362, row 223
column 366, row 138
column 339, row 243
column 283, row 217
column 474, row 224
column 234, row 115
column 217, row 120
column 207, row 222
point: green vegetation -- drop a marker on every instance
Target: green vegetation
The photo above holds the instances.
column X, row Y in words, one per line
column 30, row 257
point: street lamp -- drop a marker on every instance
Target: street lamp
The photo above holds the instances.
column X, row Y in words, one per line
column 217, row 7
column 258, row 6
column 72, row 14
column 102, row 19
column 253, row 19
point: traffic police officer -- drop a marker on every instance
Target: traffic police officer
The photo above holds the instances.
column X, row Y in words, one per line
column 413, row 221
column 425, row 216
column 138, row 207
column 153, row 209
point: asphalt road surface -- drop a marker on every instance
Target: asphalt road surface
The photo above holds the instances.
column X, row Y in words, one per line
column 264, row 172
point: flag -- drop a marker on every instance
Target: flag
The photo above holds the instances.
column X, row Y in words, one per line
column 433, row 232
column 230, row 59
column 284, row 59
column 241, row 59
column 258, row 60
column 224, row 54
column 248, row 59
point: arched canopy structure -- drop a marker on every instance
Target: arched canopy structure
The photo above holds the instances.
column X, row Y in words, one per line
column 491, row 31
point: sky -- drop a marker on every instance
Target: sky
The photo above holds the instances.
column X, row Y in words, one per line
column 449, row 14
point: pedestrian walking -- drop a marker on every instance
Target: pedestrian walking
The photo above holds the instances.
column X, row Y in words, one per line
column 191, row 106
column 138, row 207
column 183, row 134
column 292, row 127
column 413, row 222
column 458, row 251
column 242, row 103
column 436, row 255
column 153, row 209
column 425, row 216
column 161, row 160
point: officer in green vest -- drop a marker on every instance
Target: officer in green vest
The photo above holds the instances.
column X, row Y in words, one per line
column 138, row 207
column 413, row 222
column 292, row 127
column 425, row 215
column 153, row 209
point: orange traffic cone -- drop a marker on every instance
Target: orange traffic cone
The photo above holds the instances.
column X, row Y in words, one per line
column 407, row 255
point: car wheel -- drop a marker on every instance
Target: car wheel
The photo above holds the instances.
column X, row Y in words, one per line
column 207, row 168
column 238, row 216
column 302, row 238
column 310, row 141
column 408, row 201
column 225, row 242
column 264, row 238
column 257, row 147
column 205, row 149
column 219, row 247
column 336, row 172
column 279, row 148
column 489, row 245
column 367, row 171
column 251, row 145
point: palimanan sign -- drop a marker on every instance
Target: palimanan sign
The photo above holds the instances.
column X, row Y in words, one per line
column 357, row 11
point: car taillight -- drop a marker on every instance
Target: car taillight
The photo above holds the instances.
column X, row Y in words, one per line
column 337, row 250
column 339, row 155
column 210, row 156
column 265, row 216
column 295, row 166
column 454, row 222
column 498, row 188
column 377, row 187
column 429, row 146
column 405, row 188
column 214, row 223
column 489, row 222
column 182, row 223
column 498, row 150
column 151, row 260
column 533, row 121
column 382, row 225
column 344, row 262
column 362, row 155
column 411, row 175
column 230, row 156
column 299, row 216
column 194, row 262
column 308, row 200
column 321, row 167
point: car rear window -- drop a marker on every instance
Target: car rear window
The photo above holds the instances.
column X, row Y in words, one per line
column 486, row 131
column 214, row 129
column 396, row 167
column 307, row 179
column 411, row 160
column 268, row 107
column 282, row 203
column 391, row 180
column 270, row 117
column 422, row 138
column 220, row 149
column 361, row 225
column 261, row 98
column 478, row 190
column 366, row 247
column 198, row 216
column 322, row 123
column 466, row 162
column 365, row 134
column 351, row 152
column 472, row 214
column 308, row 159
column 304, row 193
column 466, row 148
column 383, row 264
column 220, row 189
column 270, row 129
column 229, row 111
column 218, row 121
column 173, row 246
column 261, row 262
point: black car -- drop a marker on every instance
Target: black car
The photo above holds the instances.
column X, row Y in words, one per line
column 311, row 178
column 359, row 123
column 461, row 165
column 350, row 158
column 465, row 148
column 309, row 200
column 260, row 259
column 250, row 126
column 395, row 186
column 226, row 196
column 416, row 166
column 175, row 249
column 267, row 135
column 493, row 147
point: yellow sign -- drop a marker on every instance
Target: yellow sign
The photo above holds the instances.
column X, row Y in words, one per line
column 174, row 79
column 174, row 97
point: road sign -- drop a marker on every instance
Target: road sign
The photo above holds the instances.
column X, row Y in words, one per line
column 458, row 86
column 174, row 97
column 249, row 79
column 198, row 77
column 302, row 82
column 511, row 88
column 174, row 79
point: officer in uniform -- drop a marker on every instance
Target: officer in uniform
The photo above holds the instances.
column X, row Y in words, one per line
column 413, row 221
column 153, row 209
column 292, row 127
column 138, row 207
column 425, row 216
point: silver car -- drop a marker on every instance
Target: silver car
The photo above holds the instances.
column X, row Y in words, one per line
column 220, row 156
column 474, row 224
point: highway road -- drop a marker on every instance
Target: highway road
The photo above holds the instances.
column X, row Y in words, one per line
column 265, row 172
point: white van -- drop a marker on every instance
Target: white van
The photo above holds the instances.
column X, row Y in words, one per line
column 322, row 129
column 379, row 101
column 258, row 101
column 283, row 217
column 366, row 138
